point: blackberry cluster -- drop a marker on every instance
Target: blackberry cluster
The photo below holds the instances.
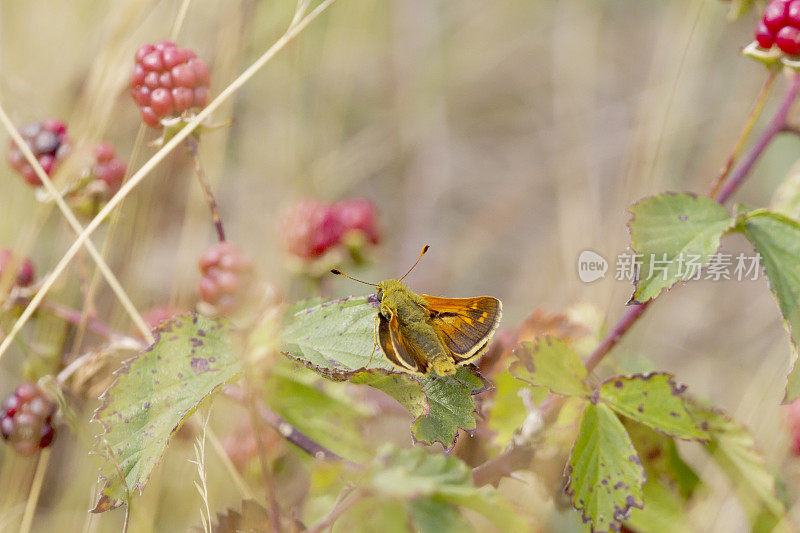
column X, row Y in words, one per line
column 49, row 143
column 226, row 274
column 780, row 26
column 26, row 420
column 24, row 267
column 167, row 81
column 310, row 228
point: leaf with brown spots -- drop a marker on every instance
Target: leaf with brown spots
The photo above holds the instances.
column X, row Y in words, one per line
column 151, row 397
column 652, row 399
column 605, row 474
column 675, row 235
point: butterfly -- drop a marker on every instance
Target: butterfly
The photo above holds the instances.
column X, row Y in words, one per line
column 420, row 334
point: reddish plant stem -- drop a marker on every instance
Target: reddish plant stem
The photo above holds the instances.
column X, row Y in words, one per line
column 77, row 318
column 751, row 121
column 635, row 311
column 200, row 172
column 775, row 126
column 286, row 430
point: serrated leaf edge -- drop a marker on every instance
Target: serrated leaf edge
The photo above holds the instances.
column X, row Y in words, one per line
column 694, row 196
column 105, row 399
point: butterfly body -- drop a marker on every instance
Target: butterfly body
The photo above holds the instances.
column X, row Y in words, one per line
column 421, row 334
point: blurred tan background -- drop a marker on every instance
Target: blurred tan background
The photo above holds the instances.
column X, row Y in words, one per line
column 508, row 135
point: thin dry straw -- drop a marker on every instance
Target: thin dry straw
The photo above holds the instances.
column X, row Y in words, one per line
column 237, row 84
column 74, row 224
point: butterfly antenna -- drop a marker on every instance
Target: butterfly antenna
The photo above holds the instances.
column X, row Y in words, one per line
column 424, row 249
column 340, row 273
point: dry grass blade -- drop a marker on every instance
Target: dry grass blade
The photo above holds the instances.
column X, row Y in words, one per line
column 293, row 31
column 75, row 225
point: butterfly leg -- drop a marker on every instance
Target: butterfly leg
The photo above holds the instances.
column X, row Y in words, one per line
column 374, row 342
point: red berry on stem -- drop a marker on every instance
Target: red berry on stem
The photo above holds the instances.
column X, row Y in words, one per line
column 359, row 214
column 24, row 267
column 309, row 228
column 26, row 419
column 226, row 274
column 788, row 40
column 49, row 143
column 775, row 16
column 167, row 80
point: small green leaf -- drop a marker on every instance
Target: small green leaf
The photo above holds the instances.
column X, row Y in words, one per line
column 663, row 511
column 550, row 363
column 432, row 515
column 438, row 483
column 652, row 399
column 734, row 450
column 676, row 235
column 153, row 394
column 605, row 473
column 336, row 338
column 777, row 239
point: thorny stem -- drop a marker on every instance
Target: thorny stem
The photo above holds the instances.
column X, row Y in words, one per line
column 288, row 431
column 193, row 145
column 635, row 311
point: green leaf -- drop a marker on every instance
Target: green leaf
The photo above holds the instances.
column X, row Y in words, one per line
column 439, row 406
column 153, row 394
column 337, row 335
column 432, row 515
column 322, row 411
column 676, row 234
column 335, row 340
column 605, row 473
column 653, row 399
column 437, row 483
column 550, row 363
column 663, row 511
column 734, row 450
column 777, row 239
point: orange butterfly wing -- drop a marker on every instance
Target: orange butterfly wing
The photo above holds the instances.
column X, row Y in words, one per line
column 398, row 352
column 466, row 325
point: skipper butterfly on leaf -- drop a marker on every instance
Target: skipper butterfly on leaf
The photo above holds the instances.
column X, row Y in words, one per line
column 420, row 334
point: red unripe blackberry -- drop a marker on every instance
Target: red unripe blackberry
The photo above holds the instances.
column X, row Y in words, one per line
column 309, row 228
column 788, row 40
column 108, row 167
column 780, row 26
column 26, row 419
column 49, row 143
column 774, row 17
column 167, row 80
column 764, row 37
column 359, row 215
column 226, row 275
column 23, row 265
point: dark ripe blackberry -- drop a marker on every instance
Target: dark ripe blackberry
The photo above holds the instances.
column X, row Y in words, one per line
column 226, row 275
column 49, row 143
column 167, row 80
column 25, row 272
column 26, row 419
